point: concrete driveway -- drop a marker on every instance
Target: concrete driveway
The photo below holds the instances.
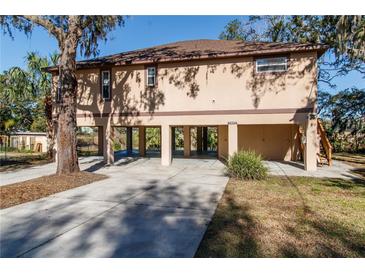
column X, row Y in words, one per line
column 141, row 210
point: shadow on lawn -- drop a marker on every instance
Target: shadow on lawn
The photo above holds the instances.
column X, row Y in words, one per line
column 159, row 219
column 242, row 228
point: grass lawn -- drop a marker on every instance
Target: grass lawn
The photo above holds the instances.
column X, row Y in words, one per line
column 22, row 192
column 288, row 217
column 18, row 160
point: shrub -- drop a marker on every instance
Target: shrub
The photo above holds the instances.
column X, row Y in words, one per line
column 246, row 165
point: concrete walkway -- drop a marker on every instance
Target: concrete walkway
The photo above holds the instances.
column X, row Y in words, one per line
column 141, row 210
column 337, row 170
column 10, row 177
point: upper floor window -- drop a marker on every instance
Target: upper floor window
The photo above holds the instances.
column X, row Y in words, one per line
column 275, row 64
column 151, row 76
column 105, row 84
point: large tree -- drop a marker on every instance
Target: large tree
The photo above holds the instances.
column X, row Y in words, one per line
column 345, row 36
column 71, row 33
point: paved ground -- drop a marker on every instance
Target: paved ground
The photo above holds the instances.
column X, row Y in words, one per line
column 337, row 170
column 142, row 210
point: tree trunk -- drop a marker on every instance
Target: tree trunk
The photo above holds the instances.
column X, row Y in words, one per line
column 48, row 110
column 67, row 161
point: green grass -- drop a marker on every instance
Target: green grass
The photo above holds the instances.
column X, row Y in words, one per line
column 288, row 217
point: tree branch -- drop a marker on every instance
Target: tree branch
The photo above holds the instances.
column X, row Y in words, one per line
column 47, row 24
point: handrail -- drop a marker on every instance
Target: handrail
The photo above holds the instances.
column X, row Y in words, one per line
column 325, row 142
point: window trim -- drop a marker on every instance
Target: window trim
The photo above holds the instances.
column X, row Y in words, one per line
column 154, row 76
column 272, row 71
column 102, row 84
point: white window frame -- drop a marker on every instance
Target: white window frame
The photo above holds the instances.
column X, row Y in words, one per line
column 285, row 63
column 102, row 84
column 154, row 77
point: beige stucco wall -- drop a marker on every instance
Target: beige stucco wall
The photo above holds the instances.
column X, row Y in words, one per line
column 273, row 142
column 207, row 85
column 223, row 142
column 214, row 92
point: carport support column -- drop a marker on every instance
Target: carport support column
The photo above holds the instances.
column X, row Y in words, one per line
column 142, row 141
column 129, row 140
column 166, row 148
column 311, row 145
column 199, row 140
column 232, row 138
column 100, row 141
column 108, row 144
column 205, row 139
column 186, row 141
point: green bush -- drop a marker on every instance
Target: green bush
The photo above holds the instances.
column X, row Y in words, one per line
column 246, row 165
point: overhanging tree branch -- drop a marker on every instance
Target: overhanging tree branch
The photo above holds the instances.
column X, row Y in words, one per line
column 47, row 24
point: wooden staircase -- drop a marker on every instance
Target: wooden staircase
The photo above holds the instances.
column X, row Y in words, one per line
column 326, row 145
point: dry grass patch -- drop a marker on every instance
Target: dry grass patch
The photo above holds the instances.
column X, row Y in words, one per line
column 22, row 192
column 17, row 160
column 288, row 217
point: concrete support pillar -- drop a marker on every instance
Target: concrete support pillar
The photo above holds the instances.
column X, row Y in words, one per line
column 129, row 140
column 100, row 141
column 232, row 139
column 205, row 138
column 311, row 145
column 108, row 147
column 173, row 140
column 199, row 139
column 142, row 141
column 186, row 141
column 166, row 148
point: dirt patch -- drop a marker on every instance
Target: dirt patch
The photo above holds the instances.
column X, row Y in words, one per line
column 22, row 192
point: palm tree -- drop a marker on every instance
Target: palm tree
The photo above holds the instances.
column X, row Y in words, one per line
column 42, row 84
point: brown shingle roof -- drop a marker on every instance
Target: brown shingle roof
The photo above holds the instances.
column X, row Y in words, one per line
column 198, row 49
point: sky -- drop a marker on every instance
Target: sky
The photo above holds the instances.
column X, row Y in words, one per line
column 138, row 32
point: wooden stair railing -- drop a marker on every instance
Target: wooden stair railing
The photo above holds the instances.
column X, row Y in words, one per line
column 325, row 142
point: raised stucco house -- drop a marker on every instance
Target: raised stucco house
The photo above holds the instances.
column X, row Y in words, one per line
column 259, row 96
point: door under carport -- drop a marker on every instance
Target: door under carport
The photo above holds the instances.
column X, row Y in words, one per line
column 273, row 142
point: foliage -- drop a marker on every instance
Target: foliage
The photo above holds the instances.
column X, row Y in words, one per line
column 22, row 95
column 345, row 116
column 345, row 35
column 89, row 29
column 212, row 138
column 117, row 146
column 16, row 104
column 72, row 32
column 246, row 165
column 153, row 138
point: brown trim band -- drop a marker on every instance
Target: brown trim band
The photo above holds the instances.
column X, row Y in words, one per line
column 202, row 112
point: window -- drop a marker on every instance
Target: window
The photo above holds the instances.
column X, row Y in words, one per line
column 275, row 64
column 105, row 84
column 151, row 76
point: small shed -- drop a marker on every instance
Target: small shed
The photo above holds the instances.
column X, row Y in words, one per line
column 34, row 141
